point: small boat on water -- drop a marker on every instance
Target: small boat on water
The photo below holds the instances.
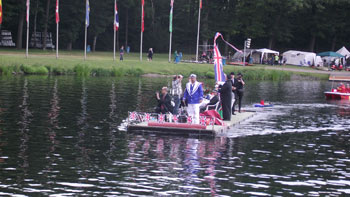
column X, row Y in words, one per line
column 146, row 123
column 263, row 104
column 337, row 95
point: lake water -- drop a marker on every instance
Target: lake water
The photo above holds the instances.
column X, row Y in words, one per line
column 59, row 136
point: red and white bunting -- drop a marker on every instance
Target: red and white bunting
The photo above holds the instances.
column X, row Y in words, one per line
column 161, row 118
column 203, row 120
column 175, row 119
column 132, row 116
column 147, row 117
column 189, row 119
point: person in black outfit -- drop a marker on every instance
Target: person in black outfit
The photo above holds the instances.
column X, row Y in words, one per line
column 234, row 85
column 239, row 92
column 164, row 102
column 150, row 54
column 226, row 98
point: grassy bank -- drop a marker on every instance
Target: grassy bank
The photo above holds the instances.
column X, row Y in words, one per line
column 102, row 64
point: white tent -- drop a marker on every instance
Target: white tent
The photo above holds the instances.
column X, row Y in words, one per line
column 256, row 54
column 299, row 58
column 343, row 51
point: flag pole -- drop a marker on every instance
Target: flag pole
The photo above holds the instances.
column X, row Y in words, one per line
column 171, row 28
column 28, row 11
column 57, row 26
column 142, row 21
column 85, row 30
column 114, row 29
column 171, row 36
column 199, row 26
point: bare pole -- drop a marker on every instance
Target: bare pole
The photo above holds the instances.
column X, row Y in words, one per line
column 199, row 26
column 114, row 29
column 171, row 37
column 28, row 11
column 142, row 24
column 57, row 27
column 57, row 41
column 85, row 31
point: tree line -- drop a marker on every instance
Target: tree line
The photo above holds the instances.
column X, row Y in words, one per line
column 311, row 25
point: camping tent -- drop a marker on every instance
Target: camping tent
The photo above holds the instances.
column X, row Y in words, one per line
column 256, row 54
column 330, row 54
column 344, row 52
column 299, row 58
column 331, row 58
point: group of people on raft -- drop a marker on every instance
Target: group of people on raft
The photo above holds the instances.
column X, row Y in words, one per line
column 343, row 89
column 226, row 95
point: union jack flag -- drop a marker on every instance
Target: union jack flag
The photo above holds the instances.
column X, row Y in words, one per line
column 132, row 116
column 189, row 119
column 148, row 117
column 175, row 118
column 160, row 118
column 203, row 120
column 218, row 66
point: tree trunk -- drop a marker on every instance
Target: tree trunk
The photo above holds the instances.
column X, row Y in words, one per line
column 117, row 39
column 334, row 42
column 126, row 27
column 94, row 44
column 20, row 29
column 69, row 46
column 35, row 22
column 312, row 43
column 46, row 23
column 153, row 20
column 271, row 42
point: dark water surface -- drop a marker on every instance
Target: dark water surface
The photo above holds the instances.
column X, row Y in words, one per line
column 59, row 136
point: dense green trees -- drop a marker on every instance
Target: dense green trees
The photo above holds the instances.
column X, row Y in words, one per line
column 313, row 25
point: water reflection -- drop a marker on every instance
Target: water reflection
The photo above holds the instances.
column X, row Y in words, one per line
column 299, row 147
column 24, row 124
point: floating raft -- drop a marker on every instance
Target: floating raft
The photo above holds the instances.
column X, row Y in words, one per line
column 343, row 76
column 189, row 129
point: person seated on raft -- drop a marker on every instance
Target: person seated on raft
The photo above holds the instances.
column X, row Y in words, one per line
column 164, row 102
column 341, row 88
column 214, row 99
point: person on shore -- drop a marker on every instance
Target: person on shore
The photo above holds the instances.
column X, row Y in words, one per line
column 276, row 59
column 177, row 92
column 150, row 54
column 234, row 85
column 193, row 96
column 121, row 52
column 226, row 99
column 164, row 102
column 239, row 92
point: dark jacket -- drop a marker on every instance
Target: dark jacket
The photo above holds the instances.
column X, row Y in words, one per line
column 164, row 104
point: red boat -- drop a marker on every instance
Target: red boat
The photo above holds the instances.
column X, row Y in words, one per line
column 337, row 96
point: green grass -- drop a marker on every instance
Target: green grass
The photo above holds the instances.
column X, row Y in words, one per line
column 101, row 64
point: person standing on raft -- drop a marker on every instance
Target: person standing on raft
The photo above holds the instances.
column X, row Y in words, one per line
column 193, row 95
column 226, row 98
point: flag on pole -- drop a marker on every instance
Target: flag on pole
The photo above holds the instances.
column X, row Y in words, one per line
column 57, row 12
column 143, row 16
column 171, row 16
column 200, row 4
column 218, row 66
column 87, row 18
column 27, row 13
column 116, row 19
column 0, row 11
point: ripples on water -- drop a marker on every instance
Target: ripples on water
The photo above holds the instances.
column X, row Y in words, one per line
column 59, row 137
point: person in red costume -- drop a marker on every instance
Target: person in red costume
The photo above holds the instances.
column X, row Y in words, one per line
column 341, row 88
column 348, row 88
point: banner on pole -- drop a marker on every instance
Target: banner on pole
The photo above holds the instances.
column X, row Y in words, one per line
column 57, row 12
column 116, row 19
column 171, row 16
column 0, row 12
column 87, row 17
column 27, row 13
column 143, row 16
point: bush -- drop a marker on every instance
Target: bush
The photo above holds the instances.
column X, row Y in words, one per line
column 210, row 75
column 82, row 70
column 118, row 72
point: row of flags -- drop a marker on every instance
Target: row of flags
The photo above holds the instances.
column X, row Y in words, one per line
column 87, row 19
